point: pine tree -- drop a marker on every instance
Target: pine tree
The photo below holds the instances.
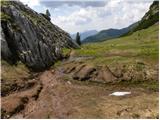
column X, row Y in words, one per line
column 78, row 39
column 48, row 13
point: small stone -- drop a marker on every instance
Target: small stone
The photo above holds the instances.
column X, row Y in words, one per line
column 7, row 116
column 69, row 82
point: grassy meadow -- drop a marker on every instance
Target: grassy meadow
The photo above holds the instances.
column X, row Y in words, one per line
column 141, row 46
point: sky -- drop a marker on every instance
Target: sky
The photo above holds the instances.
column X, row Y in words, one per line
column 83, row 15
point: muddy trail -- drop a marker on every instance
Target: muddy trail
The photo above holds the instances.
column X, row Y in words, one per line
column 77, row 90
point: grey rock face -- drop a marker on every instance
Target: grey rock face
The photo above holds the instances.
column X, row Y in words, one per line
column 29, row 37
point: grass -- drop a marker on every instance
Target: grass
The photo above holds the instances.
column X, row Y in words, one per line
column 13, row 72
column 65, row 51
column 10, row 74
column 58, row 63
column 148, row 85
column 141, row 45
column 139, row 53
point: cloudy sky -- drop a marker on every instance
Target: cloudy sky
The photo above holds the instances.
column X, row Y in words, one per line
column 82, row 15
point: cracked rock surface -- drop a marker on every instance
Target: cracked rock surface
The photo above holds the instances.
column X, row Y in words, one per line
column 29, row 37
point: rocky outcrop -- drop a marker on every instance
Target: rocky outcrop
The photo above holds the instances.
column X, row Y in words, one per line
column 149, row 19
column 29, row 37
column 153, row 10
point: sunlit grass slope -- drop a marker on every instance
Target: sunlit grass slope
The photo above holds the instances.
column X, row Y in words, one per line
column 141, row 46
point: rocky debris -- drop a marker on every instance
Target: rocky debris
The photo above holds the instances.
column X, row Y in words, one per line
column 29, row 37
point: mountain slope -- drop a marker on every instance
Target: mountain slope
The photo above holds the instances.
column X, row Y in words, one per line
column 85, row 34
column 29, row 37
column 150, row 18
column 108, row 34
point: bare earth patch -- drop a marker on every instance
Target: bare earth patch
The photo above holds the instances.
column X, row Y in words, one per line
column 61, row 98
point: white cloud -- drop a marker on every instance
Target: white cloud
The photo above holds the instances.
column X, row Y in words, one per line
column 76, row 18
column 31, row 3
column 115, row 14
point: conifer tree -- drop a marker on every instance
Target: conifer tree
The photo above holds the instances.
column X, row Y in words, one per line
column 78, row 39
column 48, row 13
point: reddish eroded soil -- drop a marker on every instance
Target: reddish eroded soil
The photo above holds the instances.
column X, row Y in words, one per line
column 60, row 97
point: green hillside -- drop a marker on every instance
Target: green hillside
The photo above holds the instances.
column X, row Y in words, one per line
column 109, row 34
column 141, row 46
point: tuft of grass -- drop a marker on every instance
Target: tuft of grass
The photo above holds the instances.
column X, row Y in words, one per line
column 148, row 85
column 58, row 63
column 13, row 72
column 65, row 51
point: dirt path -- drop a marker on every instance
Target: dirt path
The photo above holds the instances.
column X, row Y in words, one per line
column 60, row 98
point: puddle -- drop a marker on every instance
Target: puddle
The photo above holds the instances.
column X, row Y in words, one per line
column 120, row 93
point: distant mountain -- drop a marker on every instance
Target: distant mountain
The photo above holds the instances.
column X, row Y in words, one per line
column 85, row 34
column 108, row 34
column 150, row 18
